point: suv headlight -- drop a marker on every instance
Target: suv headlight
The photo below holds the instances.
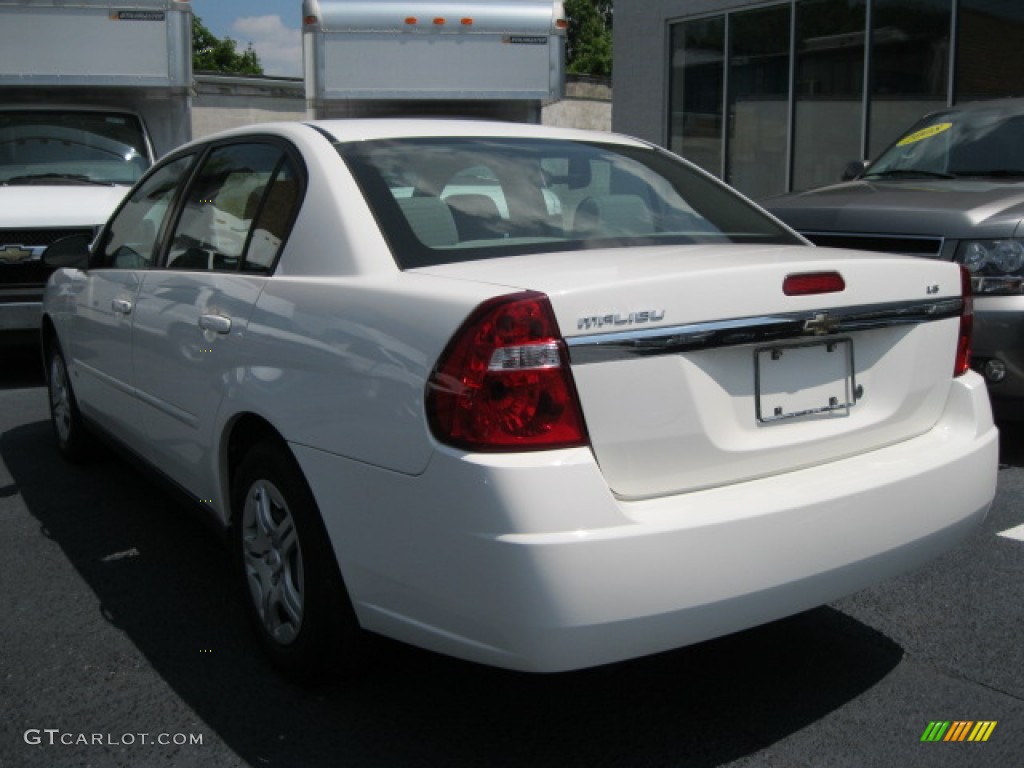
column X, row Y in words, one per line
column 996, row 266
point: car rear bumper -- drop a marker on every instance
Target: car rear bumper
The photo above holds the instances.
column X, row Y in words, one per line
column 528, row 562
column 20, row 315
column 999, row 336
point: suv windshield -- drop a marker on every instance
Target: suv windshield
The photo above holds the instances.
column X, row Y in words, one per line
column 455, row 199
column 984, row 142
column 71, row 147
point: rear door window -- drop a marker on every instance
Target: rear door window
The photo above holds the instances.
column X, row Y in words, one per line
column 237, row 210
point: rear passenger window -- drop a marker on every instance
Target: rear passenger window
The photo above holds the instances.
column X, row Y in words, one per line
column 236, row 210
column 272, row 209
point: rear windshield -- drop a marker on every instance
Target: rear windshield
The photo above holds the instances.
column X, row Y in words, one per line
column 455, row 199
column 73, row 147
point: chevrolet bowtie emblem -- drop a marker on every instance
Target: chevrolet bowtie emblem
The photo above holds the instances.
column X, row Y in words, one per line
column 12, row 254
column 821, row 324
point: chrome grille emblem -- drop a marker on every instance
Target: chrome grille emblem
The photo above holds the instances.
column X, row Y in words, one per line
column 12, row 254
column 822, row 324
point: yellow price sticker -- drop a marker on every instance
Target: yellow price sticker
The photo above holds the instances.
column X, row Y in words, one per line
column 924, row 133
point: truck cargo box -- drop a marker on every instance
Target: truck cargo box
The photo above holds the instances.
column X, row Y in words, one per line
column 96, row 43
column 370, row 57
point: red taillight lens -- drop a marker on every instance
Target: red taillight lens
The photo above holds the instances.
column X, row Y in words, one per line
column 963, row 344
column 503, row 383
column 811, row 283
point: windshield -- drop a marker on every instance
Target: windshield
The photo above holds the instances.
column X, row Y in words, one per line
column 987, row 142
column 454, row 199
column 71, row 147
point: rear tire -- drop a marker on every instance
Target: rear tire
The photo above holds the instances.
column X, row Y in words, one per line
column 293, row 589
column 68, row 428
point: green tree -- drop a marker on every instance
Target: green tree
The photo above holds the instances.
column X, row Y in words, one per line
column 589, row 44
column 211, row 54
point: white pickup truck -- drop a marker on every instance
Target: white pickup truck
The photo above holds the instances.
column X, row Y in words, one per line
column 90, row 95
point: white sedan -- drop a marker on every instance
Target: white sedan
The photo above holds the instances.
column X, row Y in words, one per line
column 538, row 398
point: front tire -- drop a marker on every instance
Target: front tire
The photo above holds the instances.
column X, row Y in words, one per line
column 293, row 588
column 68, row 428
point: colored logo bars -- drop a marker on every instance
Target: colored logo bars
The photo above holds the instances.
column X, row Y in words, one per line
column 958, row 730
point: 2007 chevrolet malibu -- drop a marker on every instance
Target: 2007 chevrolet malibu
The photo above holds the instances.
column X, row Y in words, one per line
column 538, row 398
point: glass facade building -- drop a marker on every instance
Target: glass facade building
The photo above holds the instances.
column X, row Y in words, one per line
column 777, row 97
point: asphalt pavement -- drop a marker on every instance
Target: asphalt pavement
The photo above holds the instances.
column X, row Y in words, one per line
column 122, row 643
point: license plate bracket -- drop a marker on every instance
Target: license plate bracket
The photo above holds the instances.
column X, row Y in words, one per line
column 801, row 380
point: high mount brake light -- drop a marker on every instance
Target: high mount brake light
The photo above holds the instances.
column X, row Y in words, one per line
column 811, row 283
column 503, row 382
column 963, row 343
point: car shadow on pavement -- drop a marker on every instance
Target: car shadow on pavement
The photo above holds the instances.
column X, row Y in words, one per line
column 1011, row 444
column 22, row 365
column 162, row 578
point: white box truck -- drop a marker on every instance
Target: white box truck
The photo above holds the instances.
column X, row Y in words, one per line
column 501, row 59
column 91, row 92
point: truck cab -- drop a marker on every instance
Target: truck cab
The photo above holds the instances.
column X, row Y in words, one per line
column 62, row 171
column 89, row 98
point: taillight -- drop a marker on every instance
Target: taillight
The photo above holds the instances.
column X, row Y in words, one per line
column 503, row 382
column 963, row 343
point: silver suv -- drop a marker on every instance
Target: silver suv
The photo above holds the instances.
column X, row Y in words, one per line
column 951, row 188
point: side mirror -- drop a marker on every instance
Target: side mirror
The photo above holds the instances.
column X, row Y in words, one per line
column 854, row 169
column 71, row 251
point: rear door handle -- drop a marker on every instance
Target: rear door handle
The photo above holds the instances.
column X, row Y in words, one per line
column 215, row 323
column 121, row 306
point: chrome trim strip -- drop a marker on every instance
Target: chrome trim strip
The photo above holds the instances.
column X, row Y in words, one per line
column 599, row 348
column 174, row 412
column 178, row 414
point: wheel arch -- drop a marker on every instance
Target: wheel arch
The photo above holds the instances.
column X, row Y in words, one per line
column 245, row 431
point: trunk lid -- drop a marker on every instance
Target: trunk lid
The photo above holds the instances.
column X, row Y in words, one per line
column 694, row 369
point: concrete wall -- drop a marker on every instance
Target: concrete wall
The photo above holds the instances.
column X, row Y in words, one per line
column 222, row 102
column 587, row 104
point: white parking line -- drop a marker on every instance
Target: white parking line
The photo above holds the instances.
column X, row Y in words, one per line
column 1014, row 533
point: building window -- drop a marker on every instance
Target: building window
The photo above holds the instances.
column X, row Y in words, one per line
column 696, row 91
column 758, row 101
column 829, row 89
column 989, row 60
column 736, row 67
column 909, row 65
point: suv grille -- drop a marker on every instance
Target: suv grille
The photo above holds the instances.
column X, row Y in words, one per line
column 31, row 238
column 911, row 246
column 28, row 273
